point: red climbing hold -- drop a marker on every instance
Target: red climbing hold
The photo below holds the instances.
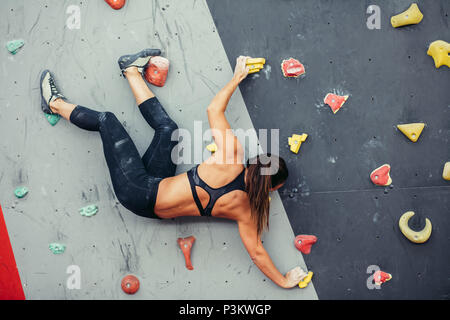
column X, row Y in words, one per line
column 130, row 284
column 186, row 246
column 292, row 68
column 116, row 4
column 334, row 101
column 380, row 176
column 157, row 70
column 304, row 243
column 381, row 277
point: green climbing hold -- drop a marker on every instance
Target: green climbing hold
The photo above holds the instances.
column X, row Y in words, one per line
column 89, row 211
column 14, row 45
column 57, row 248
column 21, row 192
column 53, row 118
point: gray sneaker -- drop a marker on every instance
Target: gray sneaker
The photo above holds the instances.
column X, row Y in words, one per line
column 139, row 60
column 49, row 91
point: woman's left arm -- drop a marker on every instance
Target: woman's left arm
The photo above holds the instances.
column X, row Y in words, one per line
column 216, row 109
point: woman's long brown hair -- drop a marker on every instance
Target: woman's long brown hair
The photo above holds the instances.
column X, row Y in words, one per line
column 258, row 186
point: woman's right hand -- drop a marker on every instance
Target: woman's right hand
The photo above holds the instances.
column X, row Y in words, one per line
column 293, row 277
column 241, row 70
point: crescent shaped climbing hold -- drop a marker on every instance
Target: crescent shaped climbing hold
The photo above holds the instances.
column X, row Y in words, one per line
column 116, row 4
column 446, row 172
column 440, row 51
column 381, row 176
column 414, row 236
column 130, row 284
column 410, row 16
column 292, row 68
column 411, row 130
column 186, row 246
column 157, row 70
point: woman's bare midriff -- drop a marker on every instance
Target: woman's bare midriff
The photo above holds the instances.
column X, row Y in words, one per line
column 175, row 199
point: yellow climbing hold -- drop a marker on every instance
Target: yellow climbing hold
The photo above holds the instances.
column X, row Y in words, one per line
column 251, row 61
column 412, row 130
column 446, row 172
column 410, row 16
column 296, row 141
column 255, row 64
column 414, row 236
column 212, row 147
column 255, row 68
column 440, row 50
column 306, row 280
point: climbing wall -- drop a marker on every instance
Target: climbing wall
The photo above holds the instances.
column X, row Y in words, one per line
column 64, row 168
column 390, row 80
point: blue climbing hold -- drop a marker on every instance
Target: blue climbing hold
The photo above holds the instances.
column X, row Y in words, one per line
column 53, row 118
column 14, row 45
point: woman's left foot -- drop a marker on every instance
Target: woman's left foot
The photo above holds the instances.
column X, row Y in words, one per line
column 139, row 60
column 49, row 91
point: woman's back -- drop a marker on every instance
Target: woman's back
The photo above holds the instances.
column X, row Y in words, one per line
column 214, row 175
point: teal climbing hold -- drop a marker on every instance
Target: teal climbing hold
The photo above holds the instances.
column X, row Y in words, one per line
column 89, row 211
column 57, row 248
column 14, row 45
column 53, row 118
column 21, row 192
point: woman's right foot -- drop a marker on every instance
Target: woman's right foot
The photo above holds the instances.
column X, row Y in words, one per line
column 138, row 60
column 49, row 91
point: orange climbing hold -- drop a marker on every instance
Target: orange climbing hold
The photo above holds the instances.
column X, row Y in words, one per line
column 157, row 70
column 304, row 243
column 130, row 284
column 381, row 277
column 334, row 101
column 186, row 246
column 292, row 68
column 116, row 4
column 381, row 176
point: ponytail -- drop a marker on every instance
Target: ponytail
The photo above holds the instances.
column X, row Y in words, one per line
column 258, row 186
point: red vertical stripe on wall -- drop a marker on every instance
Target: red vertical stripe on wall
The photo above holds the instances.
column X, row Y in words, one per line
column 10, row 284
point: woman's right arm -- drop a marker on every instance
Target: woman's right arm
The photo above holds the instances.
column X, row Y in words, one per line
column 259, row 256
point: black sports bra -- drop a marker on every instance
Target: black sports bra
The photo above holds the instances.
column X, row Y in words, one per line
column 214, row 194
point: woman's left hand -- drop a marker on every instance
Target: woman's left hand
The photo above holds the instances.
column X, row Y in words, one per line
column 241, row 70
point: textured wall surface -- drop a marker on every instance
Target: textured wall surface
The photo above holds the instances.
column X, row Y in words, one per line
column 64, row 167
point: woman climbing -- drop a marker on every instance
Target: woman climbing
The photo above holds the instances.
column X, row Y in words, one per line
column 219, row 187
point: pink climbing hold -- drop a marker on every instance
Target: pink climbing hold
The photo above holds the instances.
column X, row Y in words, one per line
column 334, row 101
column 116, row 4
column 381, row 277
column 186, row 246
column 292, row 68
column 157, row 70
column 304, row 243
